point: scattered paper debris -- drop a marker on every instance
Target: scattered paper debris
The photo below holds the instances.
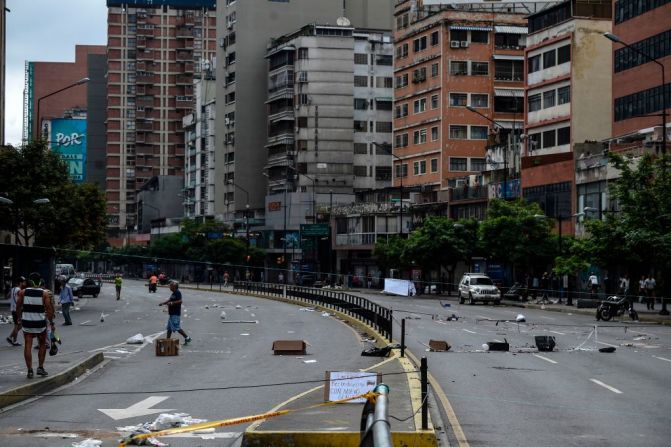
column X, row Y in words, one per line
column 244, row 334
column 306, row 309
column 520, row 318
column 89, row 442
column 326, row 314
column 136, row 339
column 309, row 361
column 171, row 420
column 222, row 315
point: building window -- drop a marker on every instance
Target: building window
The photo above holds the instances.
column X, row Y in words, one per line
column 458, row 68
column 434, row 165
column 434, row 102
column 549, row 139
column 402, row 80
column 534, row 102
column 402, row 51
column 401, row 140
column 479, row 100
column 360, row 171
column 302, row 53
column 458, row 132
column 434, row 38
column 419, row 106
column 457, row 164
column 479, row 132
column 434, row 70
column 628, row 9
column 642, row 103
column 458, row 35
column 360, row 104
column 548, row 99
column 554, row 199
column 301, row 99
column 434, row 133
column 383, row 127
column 419, row 44
column 361, row 148
column 563, row 54
column 382, row 105
column 402, row 21
column 657, row 47
column 360, row 126
column 506, row 41
column 360, row 81
column 419, row 167
column 360, row 58
column 479, row 68
column 549, row 59
column 563, row 95
column 507, row 104
column 478, row 164
column 419, row 136
column 402, row 110
column 401, row 170
column 384, row 59
column 563, row 136
column 479, row 37
column 534, row 64
column 383, row 82
column 508, row 70
column 458, row 99
column 419, row 75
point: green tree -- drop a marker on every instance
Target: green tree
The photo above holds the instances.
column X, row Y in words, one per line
column 389, row 253
column 513, row 233
column 75, row 214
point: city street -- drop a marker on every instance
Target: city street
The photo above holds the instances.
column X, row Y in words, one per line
column 566, row 397
column 221, row 355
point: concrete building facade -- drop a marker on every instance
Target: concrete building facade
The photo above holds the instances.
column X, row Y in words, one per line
column 154, row 49
column 447, row 59
column 244, row 29
column 637, row 81
column 567, row 88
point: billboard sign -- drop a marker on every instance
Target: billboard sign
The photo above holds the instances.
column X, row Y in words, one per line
column 68, row 138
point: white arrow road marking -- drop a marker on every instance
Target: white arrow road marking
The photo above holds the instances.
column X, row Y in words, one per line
column 662, row 358
column 471, row 332
column 141, row 408
column 608, row 387
column 545, row 358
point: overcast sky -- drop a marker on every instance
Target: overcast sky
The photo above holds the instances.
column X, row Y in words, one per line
column 45, row 30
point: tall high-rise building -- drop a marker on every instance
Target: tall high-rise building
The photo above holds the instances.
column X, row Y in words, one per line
column 154, row 49
column 244, row 29
column 637, row 81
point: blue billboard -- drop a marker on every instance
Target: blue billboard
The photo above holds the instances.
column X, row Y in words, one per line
column 68, row 138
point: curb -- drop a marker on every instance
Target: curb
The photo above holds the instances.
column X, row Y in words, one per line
column 43, row 386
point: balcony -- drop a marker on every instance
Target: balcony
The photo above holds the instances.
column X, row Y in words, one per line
column 363, row 240
column 146, row 32
column 184, row 55
column 145, row 102
column 184, row 33
column 184, row 102
column 146, row 55
column 469, row 193
column 184, row 80
column 144, row 126
column 146, row 78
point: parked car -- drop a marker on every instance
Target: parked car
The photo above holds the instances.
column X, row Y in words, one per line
column 65, row 270
column 478, row 287
column 85, row 286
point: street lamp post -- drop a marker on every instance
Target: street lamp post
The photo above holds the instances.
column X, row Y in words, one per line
column 612, row 37
column 387, row 148
column 39, row 102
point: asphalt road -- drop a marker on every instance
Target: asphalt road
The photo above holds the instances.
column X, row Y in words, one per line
column 221, row 355
column 568, row 397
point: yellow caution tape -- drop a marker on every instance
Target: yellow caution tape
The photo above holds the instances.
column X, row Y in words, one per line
column 235, row 421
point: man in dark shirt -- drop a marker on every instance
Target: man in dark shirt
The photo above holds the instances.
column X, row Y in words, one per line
column 174, row 304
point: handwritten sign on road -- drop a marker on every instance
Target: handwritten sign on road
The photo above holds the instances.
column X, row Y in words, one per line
column 344, row 384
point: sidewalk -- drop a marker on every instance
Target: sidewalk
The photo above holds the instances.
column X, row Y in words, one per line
column 338, row 425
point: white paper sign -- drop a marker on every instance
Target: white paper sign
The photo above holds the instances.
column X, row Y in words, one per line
column 399, row 287
column 343, row 384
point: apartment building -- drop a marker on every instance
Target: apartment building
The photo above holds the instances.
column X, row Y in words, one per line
column 637, row 81
column 448, row 59
column 244, row 30
column 199, row 180
column 154, row 49
column 567, row 89
column 329, row 121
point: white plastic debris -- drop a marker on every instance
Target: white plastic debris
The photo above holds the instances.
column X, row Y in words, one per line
column 102, row 317
column 326, row 314
column 89, row 442
column 136, row 339
column 223, row 315
column 237, row 306
column 520, row 318
column 170, row 420
column 306, row 309
column 485, row 346
column 309, row 361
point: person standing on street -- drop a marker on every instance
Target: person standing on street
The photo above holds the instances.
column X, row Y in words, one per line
column 174, row 304
column 227, row 278
column 641, row 290
column 650, row 285
column 118, row 281
column 13, row 295
column 593, row 282
column 35, row 310
column 66, row 299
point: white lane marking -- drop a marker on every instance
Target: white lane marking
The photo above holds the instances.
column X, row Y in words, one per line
column 141, row 408
column 662, row 358
column 608, row 387
column 470, row 332
column 484, row 317
column 607, row 344
column 557, row 332
column 545, row 358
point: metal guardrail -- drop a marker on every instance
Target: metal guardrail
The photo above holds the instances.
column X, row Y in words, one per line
column 375, row 427
column 362, row 309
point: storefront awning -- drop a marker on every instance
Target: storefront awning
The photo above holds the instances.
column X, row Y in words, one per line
column 470, row 28
column 504, row 29
column 509, row 92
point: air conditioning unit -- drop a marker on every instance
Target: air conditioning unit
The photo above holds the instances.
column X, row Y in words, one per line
column 464, row 44
column 227, row 121
column 454, row 44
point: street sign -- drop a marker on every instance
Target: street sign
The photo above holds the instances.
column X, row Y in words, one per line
column 141, row 408
column 314, row 230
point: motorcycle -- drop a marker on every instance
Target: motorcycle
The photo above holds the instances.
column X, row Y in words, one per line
column 614, row 306
column 152, row 288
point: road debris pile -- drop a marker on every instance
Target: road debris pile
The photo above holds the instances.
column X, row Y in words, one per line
column 164, row 421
